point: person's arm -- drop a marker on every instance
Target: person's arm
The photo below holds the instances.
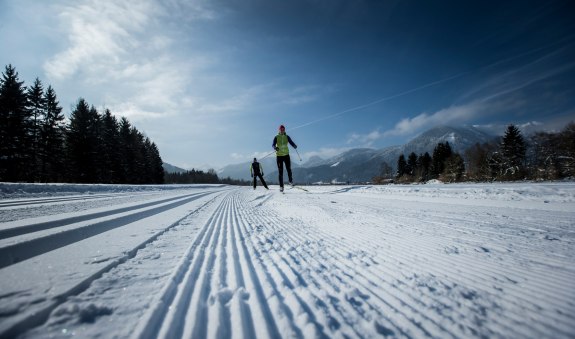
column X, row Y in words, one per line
column 274, row 143
column 291, row 142
column 252, row 170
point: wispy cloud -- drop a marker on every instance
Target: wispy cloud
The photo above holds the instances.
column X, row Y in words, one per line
column 451, row 115
column 121, row 52
column 410, row 126
column 512, row 80
column 100, row 35
column 365, row 140
column 525, row 82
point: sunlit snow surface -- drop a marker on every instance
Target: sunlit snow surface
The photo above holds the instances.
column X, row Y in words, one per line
column 413, row 261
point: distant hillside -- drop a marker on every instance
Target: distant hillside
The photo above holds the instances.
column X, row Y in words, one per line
column 356, row 165
column 460, row 139
column 242, row 171
column 362, row 164
column 172, row 169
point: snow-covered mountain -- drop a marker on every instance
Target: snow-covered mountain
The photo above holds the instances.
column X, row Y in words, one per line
column 459, row 138
column 356, row 165
column 242, row 170
column 362, row 164
column 314, row 161
column 169, row 168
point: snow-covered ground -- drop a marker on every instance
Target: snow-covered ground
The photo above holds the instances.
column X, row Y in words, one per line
column 413, row 261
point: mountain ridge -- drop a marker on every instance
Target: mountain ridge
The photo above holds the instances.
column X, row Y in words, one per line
column 362, row 164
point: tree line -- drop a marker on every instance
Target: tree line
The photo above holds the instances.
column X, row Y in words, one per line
column 37, row 144
column 200, row 177
column 544, row 156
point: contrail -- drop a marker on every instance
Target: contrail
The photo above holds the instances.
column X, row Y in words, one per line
column 434, row 83
column 381, row 100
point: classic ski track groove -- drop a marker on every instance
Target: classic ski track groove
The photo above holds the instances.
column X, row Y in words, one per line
column 51, row 200
column 183, row 311
column 249, row 258
column 343, row 278
column 60, row 222
column 39, row 315
column 510, row 270
column 412, row 302
column 546, row 283
column 29, row 248
column 254, row 273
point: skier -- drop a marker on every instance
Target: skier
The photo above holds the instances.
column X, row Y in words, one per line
column 257, row 171
column 280, row 145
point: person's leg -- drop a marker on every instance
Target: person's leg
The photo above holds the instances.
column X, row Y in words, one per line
column 263, row 181
column 255, row 178
column 279, row 161
column 288, row 167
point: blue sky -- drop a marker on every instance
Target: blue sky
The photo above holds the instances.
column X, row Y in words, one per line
column 211, row 81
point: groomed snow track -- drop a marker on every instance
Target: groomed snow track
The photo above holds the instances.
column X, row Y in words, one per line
column 326, row 263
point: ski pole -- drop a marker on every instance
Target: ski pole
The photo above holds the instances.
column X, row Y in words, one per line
column 267, row 155
column 298, row 154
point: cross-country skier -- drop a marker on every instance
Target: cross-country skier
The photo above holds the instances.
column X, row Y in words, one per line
column 257, row 171
column 280, row 145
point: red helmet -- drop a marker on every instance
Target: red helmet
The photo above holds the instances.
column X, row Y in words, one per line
column 282, row 127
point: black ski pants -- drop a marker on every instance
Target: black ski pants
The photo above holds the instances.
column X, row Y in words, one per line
column 281, row 160
column 259, row 175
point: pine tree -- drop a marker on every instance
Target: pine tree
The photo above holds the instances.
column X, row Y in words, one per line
column 36, row 144
column 83, row 144
column 134, row 156
column 139, row 174
column 14, row 127
column 53, row 152
column 111, row 149
column 424, row 166
column 412, row 163
column 156, row 165
column 513, row 150
column 37, row 111
column 127, row 151
column 401, row 166
column 441, row 153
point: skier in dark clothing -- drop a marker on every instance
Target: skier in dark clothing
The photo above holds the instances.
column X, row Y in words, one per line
column 257, row 171
column 280, row 145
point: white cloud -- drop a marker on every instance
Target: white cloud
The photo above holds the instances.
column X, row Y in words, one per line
column 451, row 115
column 237, row 156
column 100, row 35
column 409, row 126
column 366, row 140
column 125, row 58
